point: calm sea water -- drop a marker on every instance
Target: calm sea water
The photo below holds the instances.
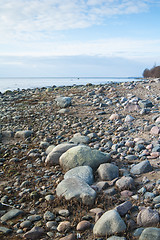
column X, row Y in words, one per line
column 24, row 83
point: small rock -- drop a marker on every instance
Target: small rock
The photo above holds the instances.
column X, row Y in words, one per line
column 141, row 167
column 34, row 233
column 108, row 171
column 123, row 208
column 125, row 183
column 64, row 226
column 150, row 233
column 155, row 130
column 83, row 225
column 11, row 214
column 148, row 217
column 129, row 118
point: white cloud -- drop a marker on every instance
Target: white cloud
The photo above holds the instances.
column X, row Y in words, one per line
column 114, row 47
column 34, row 18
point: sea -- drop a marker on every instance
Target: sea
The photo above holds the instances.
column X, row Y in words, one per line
column 19, row 83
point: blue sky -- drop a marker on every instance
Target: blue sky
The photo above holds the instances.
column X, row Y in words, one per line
column 78, row 37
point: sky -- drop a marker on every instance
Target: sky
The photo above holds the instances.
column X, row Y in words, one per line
column 94, row 38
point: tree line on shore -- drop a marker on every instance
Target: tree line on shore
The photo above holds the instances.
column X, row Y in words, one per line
column 154, row 72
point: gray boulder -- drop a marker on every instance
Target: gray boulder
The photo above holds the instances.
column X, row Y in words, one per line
column 85, row 173
column 76, row 188
column 79, row 139
column 141, row 167
column 150, row 234
column 109, row 223
column 82, row 156
column 53, row 157
column 108, row 171
column 63, row 102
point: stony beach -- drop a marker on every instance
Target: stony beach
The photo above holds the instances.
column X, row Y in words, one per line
column 81, row 162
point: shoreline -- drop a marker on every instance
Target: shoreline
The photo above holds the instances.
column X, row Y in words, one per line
column 118, row 121
column 68, row 81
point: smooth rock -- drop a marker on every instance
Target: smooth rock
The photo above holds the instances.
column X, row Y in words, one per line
column 76, row 188
column 23, row 134
column 49, row 197
column 150, row 233
column 129, row 118
column 82, row 156
column 69, row 237
column 11, row 214
column 34, row 233
column 64, row 212
column 63, row 102
column 109, row 223
column 125, row 183
column 108, row 171
column 155, row 130
column 114, row 116
column 49, row 149
column 83, row 172
column 123, row 208
column 79, row 139
column 83, row 225
column 142, row 167
column 63, row 226
column 156, row 199
column 5, row 230
column 25, row 224
column 147, row 217
column 53, row 157
column 48, row 216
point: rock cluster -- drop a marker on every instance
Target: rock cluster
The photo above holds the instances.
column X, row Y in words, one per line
column 81, row 162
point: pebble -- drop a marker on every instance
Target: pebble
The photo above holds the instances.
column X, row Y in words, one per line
column 34, row 234
column 11, row 214
column 148, row 217
column 37, row 131
column 83, row 225
column 64, row 226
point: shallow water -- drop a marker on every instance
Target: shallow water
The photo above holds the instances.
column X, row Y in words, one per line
column 24, row 83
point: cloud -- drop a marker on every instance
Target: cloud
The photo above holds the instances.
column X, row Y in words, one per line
column 69, row 66
column 113, row 47
column 33, row 18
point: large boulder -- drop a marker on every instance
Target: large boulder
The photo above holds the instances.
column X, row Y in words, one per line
column 76, row 188
column 109, row 223
column 83, row 172
column 53, row 157
column 82, row 156
column 63, row 102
